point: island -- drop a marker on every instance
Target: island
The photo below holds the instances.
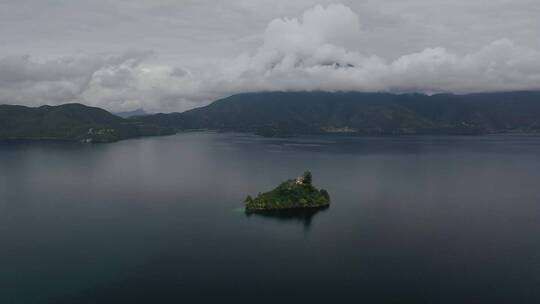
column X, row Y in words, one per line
column 293, row 194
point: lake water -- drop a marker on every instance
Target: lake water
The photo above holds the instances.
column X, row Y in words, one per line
column 159, row 220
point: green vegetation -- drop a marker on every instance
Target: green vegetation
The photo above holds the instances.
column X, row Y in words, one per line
column 284, row 114
column 296, row 193
column 71, row 122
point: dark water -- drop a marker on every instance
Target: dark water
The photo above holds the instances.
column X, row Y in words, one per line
column 156, row 220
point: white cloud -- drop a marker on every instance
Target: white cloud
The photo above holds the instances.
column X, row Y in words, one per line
column 318, row 51
column 302, row 54
column 117, row 83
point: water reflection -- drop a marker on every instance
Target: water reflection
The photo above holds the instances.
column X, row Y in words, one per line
column 304, row 216
column 414, row 220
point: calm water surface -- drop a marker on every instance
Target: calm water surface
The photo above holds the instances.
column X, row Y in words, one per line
column 157, row 220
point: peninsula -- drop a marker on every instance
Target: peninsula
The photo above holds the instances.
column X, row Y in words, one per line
column 297, row 193
column 71, row 122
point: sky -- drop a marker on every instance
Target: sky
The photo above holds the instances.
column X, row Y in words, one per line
column 166, row 56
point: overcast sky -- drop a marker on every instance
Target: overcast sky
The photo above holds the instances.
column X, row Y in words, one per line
column 168, row 56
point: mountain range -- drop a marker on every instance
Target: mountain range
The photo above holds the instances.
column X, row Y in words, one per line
column 294, row 113
column 290, row 113
column 130, row 114
column 72, row 122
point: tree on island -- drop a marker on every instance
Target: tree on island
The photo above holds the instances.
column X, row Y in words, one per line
column 307, row 178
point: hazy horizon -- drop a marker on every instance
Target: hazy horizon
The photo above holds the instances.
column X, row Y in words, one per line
column 144, row 112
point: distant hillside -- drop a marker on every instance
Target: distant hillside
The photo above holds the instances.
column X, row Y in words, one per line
column 74, row 122
column 129, row 114
column 289, row 113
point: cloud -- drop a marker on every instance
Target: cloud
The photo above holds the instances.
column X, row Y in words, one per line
column 26, row 81
column 303, row 54
column 115, row 82
column 334, row 24
column 135, row 85
column 318, row 51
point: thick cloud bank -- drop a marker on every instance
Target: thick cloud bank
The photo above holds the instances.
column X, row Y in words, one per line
column 116, row 83
column 313, row 52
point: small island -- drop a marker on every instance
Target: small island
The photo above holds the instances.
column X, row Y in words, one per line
column 294, row 194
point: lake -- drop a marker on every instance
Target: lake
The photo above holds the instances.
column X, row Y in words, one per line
column 159, row 220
